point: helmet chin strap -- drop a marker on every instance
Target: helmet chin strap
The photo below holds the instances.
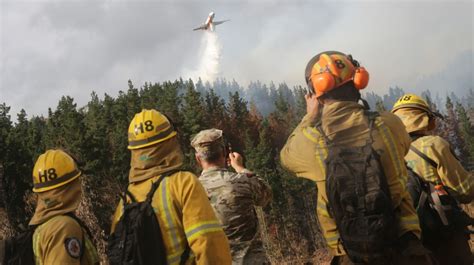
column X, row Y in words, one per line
column 366, row 104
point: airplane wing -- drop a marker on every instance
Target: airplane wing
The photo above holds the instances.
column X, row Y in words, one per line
column 201, row 27
column 220, row 22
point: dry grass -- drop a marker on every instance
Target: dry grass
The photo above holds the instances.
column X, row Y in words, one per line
column 6, row 230
column 284, row 244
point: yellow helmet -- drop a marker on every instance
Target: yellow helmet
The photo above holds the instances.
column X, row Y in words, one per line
column 416, row 102
column 411, row 101
column 147, row 128
column 54, row 169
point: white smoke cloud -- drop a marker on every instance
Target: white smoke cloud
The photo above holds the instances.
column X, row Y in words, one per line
column 210, row 54
column 69, row 47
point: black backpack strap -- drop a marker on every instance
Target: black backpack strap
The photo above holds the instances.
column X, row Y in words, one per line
column 422, row 200
column 149, row 198
column 156, row 184
column 437, row 204
column 425, row 157
column 319, row 127
column 152, row 191
column 80, row 222
column 415, row 135
column 185, row 255
column 123, row 195
column 84, row 227
column 371, row 116
column 130, row 195
column 154, row 187
column 439, row 207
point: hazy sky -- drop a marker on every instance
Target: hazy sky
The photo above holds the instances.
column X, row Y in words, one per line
column 54, row 48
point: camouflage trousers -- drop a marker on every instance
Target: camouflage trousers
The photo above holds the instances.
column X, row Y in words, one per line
column 249, row 254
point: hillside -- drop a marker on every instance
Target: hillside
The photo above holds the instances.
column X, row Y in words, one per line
column 256, row 121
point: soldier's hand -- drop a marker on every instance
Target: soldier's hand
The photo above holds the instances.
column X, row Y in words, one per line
column 236, row 161
column 312, row 105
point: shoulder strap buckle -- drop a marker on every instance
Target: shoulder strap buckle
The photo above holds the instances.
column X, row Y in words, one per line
column 423, row 156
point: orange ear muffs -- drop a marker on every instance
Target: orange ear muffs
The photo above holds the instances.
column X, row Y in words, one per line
column 323, row 82
column 331, row 69
column 361, row 78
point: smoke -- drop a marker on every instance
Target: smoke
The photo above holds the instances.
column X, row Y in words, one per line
column 210, row 53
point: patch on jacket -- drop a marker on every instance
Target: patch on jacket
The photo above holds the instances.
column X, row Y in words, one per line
column 73, row 247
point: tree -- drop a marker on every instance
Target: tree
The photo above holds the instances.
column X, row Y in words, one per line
column 238, row 120
column 5, row 126
column 16, row 164
column 170, row 101
column 379, row 106
column 451, row 132
column 216, row 112
column 300, row 102
column 96, row 144
column 282, row 120
column 393, row 95
column 193, row 119
column 466, row 129
column 372, row 99
column 65, row 128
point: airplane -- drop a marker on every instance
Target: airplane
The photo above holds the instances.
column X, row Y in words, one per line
column 209, row 24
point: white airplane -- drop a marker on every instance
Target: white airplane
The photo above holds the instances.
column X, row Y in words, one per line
column 209, row 24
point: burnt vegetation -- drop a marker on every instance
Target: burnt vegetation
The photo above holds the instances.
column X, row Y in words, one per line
column 256, row 121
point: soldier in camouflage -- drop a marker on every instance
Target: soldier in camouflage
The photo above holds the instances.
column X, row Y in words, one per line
column 233, row 196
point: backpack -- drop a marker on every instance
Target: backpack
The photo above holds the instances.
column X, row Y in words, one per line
column 359, row 199
column 439, row 213
column 137, row 239
column 19, row 250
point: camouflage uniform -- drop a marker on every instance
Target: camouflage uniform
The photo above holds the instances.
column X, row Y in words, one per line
column 233, row 197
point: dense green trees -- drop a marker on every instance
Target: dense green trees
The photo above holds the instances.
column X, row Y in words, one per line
column 256, row 122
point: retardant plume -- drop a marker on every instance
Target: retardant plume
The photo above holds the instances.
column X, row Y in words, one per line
column 210, row 52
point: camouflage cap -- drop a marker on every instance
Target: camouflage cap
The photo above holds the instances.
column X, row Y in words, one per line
column 207, row 139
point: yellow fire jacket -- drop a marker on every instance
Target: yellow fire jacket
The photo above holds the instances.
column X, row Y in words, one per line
column 61, row 240
column 449, row 171
column 305, row 151
column 186, row 217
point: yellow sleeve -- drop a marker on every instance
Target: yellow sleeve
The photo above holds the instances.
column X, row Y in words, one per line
column 451, row 172
column 396, row 142
column 61, row 242
column 204, row 232
column 116, row 216
column 397, row 127
column 298, row 154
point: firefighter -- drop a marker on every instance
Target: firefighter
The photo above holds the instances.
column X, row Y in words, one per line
column 233, row 196
column 59, row 237
column 334, row 115
column 432, row 159
column 190, row 230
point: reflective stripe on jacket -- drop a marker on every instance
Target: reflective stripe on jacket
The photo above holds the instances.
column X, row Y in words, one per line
column 186, row 217
column 54, row 242
column 449, row 171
